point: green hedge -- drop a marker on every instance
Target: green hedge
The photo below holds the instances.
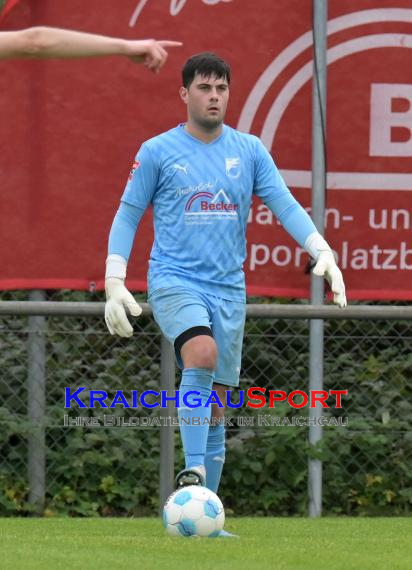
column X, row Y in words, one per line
column 114, row 471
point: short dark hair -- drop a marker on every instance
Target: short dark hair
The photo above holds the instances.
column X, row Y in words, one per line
column 206, row 64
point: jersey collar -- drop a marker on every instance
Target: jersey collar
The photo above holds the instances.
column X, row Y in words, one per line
column 191, row 137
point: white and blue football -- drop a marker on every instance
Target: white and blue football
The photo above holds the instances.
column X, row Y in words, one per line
column 193, row 511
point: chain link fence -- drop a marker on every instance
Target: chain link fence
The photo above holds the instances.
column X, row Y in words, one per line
column 114, row 469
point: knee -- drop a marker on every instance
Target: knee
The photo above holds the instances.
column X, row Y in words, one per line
column 200, row 352
column 207, row 356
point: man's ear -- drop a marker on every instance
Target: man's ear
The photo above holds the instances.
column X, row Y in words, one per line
column 183, row 94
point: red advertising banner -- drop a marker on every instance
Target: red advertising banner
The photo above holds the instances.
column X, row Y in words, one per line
column 70, row 130
column 5, row 7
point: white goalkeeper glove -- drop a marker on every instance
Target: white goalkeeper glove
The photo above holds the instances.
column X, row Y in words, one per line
column 118, row 298
column 326, row 267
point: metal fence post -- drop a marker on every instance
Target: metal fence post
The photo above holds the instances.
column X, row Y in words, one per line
column 319, row 169
column 167, row 431
column 36, row 392
column 315, row 431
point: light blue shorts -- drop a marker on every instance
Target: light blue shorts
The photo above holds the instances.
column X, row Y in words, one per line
column 177, row 309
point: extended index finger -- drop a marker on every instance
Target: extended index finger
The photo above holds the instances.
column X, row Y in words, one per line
column 169, row 43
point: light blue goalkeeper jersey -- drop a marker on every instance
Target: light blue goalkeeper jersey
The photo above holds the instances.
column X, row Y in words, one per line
column 201, row 195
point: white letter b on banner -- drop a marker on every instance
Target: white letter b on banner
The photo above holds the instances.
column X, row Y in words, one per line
column 384, row 119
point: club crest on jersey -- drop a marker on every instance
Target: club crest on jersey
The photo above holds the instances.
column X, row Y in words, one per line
column 232, row 167
column 135, row 166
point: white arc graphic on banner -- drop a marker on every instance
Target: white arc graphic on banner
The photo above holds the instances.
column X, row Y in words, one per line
column 336, row 180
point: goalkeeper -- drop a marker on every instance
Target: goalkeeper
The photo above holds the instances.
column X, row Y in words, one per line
column 200, row 178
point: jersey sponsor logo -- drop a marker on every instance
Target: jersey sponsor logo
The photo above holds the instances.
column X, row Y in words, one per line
column 135, row 166
column 232, row 167
column 201, row 187
column 182, row 167
column 203, row 207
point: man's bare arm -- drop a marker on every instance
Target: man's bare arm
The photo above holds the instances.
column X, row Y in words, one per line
column 44, row 42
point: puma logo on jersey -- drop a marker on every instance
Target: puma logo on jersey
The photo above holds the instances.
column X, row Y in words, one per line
column 180, row 167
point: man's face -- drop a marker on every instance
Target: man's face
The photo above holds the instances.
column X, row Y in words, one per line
column 206, row 100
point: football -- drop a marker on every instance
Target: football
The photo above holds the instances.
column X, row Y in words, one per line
column 193, row 511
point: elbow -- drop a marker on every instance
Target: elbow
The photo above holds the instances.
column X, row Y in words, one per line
column 35, row 41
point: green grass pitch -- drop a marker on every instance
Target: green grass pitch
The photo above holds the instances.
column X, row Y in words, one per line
column 272, row 543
